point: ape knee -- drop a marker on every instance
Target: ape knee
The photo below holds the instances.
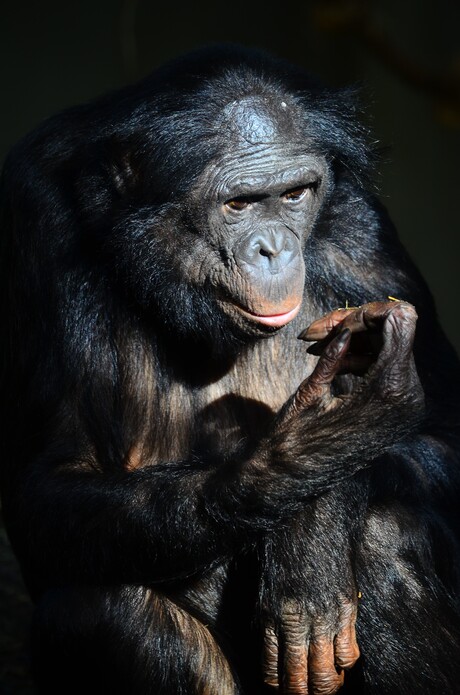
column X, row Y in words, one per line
column 129, row 640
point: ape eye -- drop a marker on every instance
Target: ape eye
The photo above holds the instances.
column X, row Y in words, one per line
column 295, row 194
column 237, row 204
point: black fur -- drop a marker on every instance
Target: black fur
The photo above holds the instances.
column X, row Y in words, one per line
column 161, row 516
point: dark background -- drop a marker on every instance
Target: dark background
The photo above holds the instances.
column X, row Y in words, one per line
column 406, row 56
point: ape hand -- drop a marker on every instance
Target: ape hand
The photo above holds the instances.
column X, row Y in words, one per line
column 306, row 650
column 309, row 595
column 373, row 341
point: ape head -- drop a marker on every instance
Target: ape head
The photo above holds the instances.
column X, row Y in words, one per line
column 217, row 180
column 260, row 200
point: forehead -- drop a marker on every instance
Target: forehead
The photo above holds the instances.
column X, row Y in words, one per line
column 262, row 146
column 264, row 168
column 259, row 120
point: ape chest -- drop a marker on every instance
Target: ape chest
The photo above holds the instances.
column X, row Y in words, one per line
column 222, row 417
column 196, row 425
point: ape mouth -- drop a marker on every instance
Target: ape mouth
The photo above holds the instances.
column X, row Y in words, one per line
column 273, row 320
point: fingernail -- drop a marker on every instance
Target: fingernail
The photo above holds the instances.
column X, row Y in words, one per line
column 310, row 334
column 343, row 337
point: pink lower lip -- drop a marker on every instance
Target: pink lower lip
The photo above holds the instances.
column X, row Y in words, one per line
column 275, row 320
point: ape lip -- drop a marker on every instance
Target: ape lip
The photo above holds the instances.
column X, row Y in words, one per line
column 276, row 320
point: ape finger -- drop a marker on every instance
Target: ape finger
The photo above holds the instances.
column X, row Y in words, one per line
column 367, row 321
column 270, row 657
column 356, row 364
column 357, row 319
column 396, row 365
column 363, row 351
column 345, row 644
column 324, row 679
column 316, row 388
column 322, row 327
column 295, row 668
column 399, row 330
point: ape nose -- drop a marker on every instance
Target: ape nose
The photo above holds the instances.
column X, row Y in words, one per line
column 272, row 249
column 270, row 244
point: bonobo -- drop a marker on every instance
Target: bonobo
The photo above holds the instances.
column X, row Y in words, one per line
column 200, row 501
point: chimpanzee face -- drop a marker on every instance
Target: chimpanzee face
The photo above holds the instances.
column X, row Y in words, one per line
column 260, row 202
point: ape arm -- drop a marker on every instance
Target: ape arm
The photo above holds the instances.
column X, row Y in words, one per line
column 168, row 520
column 308, row 610
column 371, row 548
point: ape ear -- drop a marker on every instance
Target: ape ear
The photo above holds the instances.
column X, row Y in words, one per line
column 122, row 165
column 104, row 175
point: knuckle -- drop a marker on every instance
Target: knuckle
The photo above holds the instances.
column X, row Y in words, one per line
column 330, row 323
column 270, row 676
column 346, row 655
column 328, row 361
column 402, row 313
column 328, row 357
column 403, row 395
column 355, row 318
column 347, row 608
column 308, row 395
column 271, row 682
column 270, row 646
column 294, row 624
column 295, row 632
column 346, row 648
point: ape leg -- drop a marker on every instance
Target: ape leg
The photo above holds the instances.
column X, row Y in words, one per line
column 408, row 624
column 127, row 641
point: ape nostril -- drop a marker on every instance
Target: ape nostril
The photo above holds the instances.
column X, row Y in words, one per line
column 268, row 252
column 272, row 250
column 272, row 245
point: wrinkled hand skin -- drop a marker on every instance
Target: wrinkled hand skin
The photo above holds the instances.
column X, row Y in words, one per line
column 308, row 656
column 309, row 598
column 366, row 340
column 374, row 342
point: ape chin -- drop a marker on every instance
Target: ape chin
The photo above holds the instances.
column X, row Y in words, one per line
column 198, row 500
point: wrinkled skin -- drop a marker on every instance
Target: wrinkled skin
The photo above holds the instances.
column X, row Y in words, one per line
column 259, row 206
column 309, row 655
